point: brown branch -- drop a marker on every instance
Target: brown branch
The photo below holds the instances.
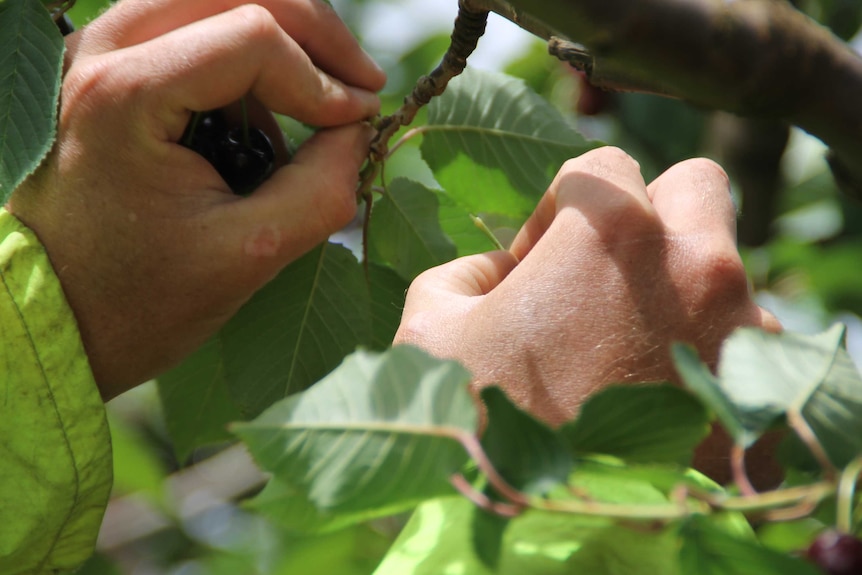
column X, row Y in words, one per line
column 756, row 58
column 469, row 27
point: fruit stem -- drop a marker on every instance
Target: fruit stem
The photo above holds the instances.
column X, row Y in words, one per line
column 190, row 133
column 246, row 137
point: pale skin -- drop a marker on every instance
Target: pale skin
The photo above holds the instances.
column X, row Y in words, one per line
column 606, row 274
column 155, row 253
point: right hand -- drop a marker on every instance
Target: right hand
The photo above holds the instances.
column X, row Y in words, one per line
column 605, row 275
column 153, row 250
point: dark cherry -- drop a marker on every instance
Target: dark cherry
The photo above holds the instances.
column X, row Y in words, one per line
column 244, row 160
column 836, row 553
column 204, row 134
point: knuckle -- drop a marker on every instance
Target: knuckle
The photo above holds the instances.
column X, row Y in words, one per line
column 708, row 171
column 723, row 277
column 88, row 82
column 257, row 22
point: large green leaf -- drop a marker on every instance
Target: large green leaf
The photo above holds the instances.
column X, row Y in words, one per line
column 296, row 329
column 494, row 144
column 195, row 400
column 437, row 539
column 709, row 550
column 405, row 229
column 31, row 63
column 379, row 434
column 290, row 334
column 642, row 423
column 763, row 377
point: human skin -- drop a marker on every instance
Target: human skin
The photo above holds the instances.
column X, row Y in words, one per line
column 153, row 251
column 605, row 275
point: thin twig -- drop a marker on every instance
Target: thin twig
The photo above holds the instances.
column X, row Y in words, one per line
column 469, row 27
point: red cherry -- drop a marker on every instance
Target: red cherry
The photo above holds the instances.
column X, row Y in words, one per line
column 836, row 553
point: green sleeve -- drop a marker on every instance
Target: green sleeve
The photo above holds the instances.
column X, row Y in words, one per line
column 55, row 449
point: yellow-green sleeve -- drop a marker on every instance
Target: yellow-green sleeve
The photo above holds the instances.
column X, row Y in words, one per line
column 55, row 449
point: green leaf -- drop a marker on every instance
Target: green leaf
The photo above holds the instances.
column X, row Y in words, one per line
column 643, row 423
column 31, row 64
column 709, row 550
column 700, row 380
column 296, row 329
column 494, row 144
column 437, row 539
column 529, row 456
column 379, row 434
column 388, row 292
column 288, row 507
column 457, row 224
column 763, row 377
column 196, row 402
column 405, row 229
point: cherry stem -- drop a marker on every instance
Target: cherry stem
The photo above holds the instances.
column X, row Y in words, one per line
column 246, row 136
column 196, row 119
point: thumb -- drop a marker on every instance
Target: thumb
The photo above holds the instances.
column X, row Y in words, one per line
column 301, row 205
column 439, row 300
column 460, row 279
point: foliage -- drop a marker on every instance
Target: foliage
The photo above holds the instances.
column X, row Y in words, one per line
column 352, row 437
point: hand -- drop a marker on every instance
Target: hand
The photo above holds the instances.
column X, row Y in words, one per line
column 601, row 280
column 153, row 250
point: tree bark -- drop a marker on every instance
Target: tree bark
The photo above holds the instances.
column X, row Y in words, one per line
column 758, row 58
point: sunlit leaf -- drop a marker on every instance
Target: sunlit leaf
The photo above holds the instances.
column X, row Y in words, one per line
column 380, row 433
column 494, row 144
column 528, row 455
column 708, row 550
column 31, row 61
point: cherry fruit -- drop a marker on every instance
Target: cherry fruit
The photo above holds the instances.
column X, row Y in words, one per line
column 244, row 158
column 836, row 553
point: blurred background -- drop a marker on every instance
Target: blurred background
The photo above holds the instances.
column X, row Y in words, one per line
column 801, row 241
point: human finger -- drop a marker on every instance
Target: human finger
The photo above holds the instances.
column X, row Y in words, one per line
column 299, row 207
column 452, row 289
column 314, row 25
column 604, row 183
column 693, row 197
column 192, row 69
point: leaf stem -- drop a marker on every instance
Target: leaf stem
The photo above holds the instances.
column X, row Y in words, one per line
column 480, row 223
column 846, row 488
column 737, row 466
column 806, row 434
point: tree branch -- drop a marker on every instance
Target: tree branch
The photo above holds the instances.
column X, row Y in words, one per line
column 753, row 58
